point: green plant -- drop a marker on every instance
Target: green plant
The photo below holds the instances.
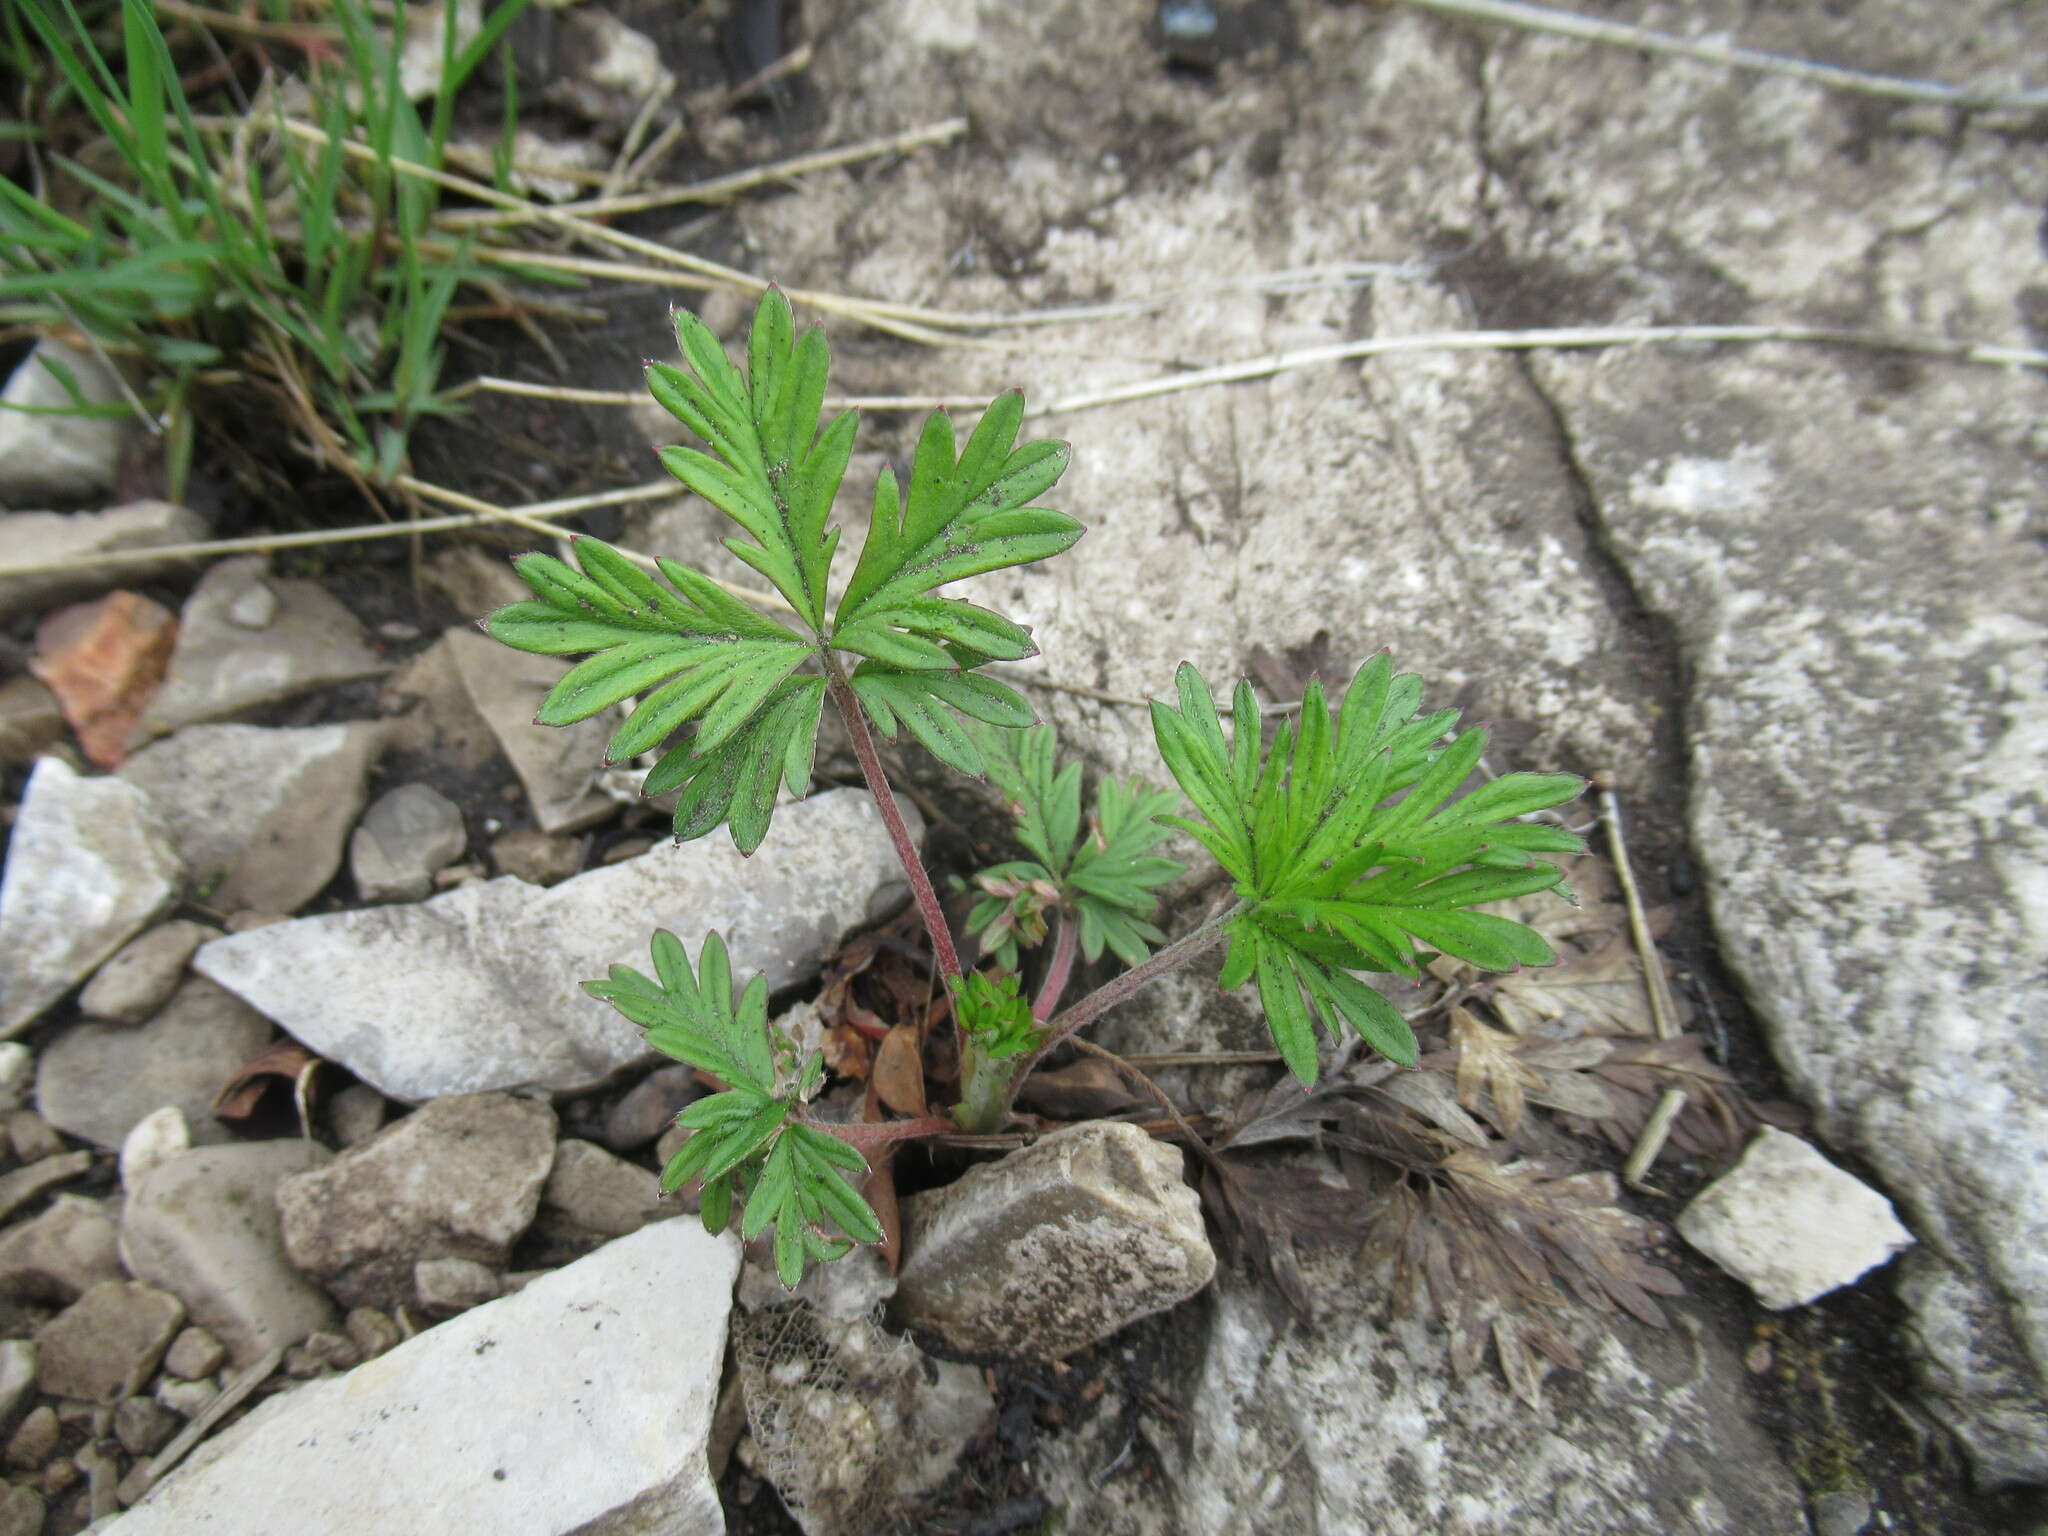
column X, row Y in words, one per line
column 272, row 247
column 1345, row 837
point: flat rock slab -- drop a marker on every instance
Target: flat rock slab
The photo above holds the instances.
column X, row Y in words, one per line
column 461, row 1179
column 259, row 816
column 557, row 764
column 90, row 864
column 481, row 988
column 50, row 458
column 1054, row 1247
column 61, row 1254
column 580, row 1405
column 204, row 1226
column 248, row 638
column 97, row 1081
column 31, row 538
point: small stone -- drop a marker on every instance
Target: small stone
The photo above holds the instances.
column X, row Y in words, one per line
column 555, row 764
column 606, row 70
column 194, row 1353
column 47, row 458
column 158, row 1137
column 1054, row 1247
column 204, row 1225
column 59, row 1476
column 17, row 1074
column 143, row 1425
column 30, row 719
column 188, row 1398
column 96, row 1081
column 1789, row 1224
column 457, row 874
column 444, row 1287
column 407, row 835
column 337, row 1349
column 650, row 1107
column 356, row 1114
column 301, row 1364
column 1845, row 1512
column 143, row 973
column 626, row 848
column 258, row 815
column 34, row 1440
column 221, row 669
column 104, row 660
column 61, row 1254
column 537, row 857
column 29, row 537
column 32, row 1137
column 372, row 1332
column 90, row 864
column 106, row 1344
column 461, row 1178
column 253, row 607
column 25, row 1184
column 591, row 1196
column 17, row 1380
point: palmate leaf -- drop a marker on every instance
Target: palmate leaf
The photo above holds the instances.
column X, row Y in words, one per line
column 1104, row 876
column 746, row 1145
column 1349, row 842
column 747, row 684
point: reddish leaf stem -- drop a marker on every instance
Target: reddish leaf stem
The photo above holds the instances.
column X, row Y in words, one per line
column 943, row 953
column 1107, row 996
column 863, row 1137
column 1059, row 971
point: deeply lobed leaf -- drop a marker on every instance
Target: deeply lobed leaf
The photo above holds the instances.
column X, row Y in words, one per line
column 1350, row 841
column 745, row 1144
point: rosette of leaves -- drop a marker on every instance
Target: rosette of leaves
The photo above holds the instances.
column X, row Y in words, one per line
column 746, row 1144
column 1103, row 874
column 749, row 685
column 1353, row 851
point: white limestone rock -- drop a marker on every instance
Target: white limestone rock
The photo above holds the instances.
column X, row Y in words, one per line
column 204, row 1226
column 557, row 764
column 579, row 1407
column 141, row 977
column 97, row 1081
column 32, row 538
column 1789, row 1224
column 90, row 864
column 459, row 1179
column 46, row 458
column 259, row 815
column 224, row 665
column 481, row 988
column 1054, row 1247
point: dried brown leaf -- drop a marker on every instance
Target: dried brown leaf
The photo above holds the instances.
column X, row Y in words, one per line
column 285, row 1063
column 898, row 1072
column 1088, row 1089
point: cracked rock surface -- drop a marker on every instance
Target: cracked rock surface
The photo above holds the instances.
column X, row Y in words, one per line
column 1803, row 583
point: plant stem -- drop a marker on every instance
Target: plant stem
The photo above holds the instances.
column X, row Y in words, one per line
column 863, row 1137
column 943, row 953
column 1105, row 997
column 1061, row 968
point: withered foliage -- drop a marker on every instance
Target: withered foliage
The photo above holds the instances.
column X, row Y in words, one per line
column 1453, row 1180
